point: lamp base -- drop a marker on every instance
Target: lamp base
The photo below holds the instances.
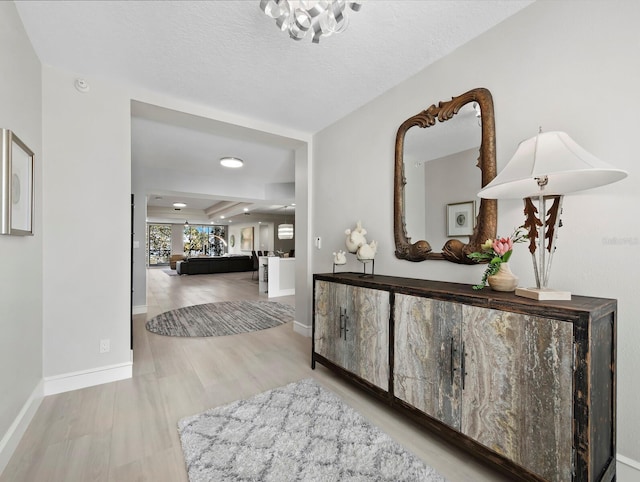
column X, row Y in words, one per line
column 543, row 294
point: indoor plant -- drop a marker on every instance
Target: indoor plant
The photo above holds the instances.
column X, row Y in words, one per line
column 497, row 252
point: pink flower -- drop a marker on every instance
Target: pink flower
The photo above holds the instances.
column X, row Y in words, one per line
column 502, row 245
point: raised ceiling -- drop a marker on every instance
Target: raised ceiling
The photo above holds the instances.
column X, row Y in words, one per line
column 230, row 56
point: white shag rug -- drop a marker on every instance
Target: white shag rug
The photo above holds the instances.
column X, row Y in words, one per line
column 299, row 432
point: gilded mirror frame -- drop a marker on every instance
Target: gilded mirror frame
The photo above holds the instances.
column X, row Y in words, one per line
column 454, row 250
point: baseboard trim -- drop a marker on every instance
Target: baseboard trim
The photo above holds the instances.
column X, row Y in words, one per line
column 634, row 464
column 12, row 437
column 87, row 378
column 279, row 293
column 301, row 329
column 139, row 309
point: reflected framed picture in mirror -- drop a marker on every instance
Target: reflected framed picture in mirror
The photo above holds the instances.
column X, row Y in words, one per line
column 17, row 186
column 461, row 218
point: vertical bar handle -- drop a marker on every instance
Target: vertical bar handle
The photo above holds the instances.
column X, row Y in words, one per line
column 346, row 321
column 463, row 370
column 452, row 352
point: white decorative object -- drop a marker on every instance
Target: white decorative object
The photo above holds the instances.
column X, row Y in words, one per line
column 367, row 251
column 355, row 238
column 339, row 258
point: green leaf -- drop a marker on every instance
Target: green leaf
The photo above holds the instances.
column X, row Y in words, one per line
column 506, row 256
column 479, row 255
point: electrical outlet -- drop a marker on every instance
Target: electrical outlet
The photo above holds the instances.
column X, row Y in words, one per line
column 105, row 346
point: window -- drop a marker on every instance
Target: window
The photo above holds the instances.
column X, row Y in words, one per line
column 158, row 244
column 205, row 240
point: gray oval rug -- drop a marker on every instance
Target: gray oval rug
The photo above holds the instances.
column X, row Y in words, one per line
column 221, row 319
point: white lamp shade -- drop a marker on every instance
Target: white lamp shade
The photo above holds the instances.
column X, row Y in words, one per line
column 285, row 231
column 568, row 167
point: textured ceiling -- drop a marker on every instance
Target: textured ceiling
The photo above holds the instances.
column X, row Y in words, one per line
column 230, row 56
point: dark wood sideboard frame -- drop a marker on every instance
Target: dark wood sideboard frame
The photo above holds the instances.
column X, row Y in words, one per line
column 594, row 330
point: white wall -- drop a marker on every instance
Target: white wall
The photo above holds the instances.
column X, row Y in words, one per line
column 20, row 256
column 302, row 238
column 571, row 66
column 87, row 172
column 236, row 229
column 266, row 237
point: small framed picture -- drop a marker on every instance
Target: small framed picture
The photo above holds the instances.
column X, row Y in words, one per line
column 461, row 218
column 17, row 186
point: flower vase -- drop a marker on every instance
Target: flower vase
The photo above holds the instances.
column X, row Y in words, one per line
column 503, row 280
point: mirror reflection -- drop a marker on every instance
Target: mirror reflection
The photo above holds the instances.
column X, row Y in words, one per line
column 440, row 166
column 444, row 156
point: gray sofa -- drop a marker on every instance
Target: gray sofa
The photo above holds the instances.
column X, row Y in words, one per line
column 214, row 264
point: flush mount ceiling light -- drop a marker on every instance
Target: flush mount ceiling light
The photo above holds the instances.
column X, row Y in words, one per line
column 320, row 17
column 233, row 162
column 179, row 205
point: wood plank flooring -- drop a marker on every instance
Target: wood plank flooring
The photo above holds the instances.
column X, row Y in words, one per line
column 127, row 430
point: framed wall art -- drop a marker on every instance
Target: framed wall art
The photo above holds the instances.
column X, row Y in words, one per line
column 246, row 239
column 17, row 186
column 461, row 218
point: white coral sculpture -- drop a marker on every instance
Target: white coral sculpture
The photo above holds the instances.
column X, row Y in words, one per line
column 367, row 251
column 355, row 238
column 339, row 258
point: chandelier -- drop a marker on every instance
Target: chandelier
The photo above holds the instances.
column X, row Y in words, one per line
column 285, row 230
column 321, row 17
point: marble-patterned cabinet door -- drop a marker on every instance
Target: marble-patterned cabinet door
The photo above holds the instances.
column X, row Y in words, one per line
column 426, row 356
column 515, row 395
column 330, row 304
column 367, row 352
column 352, row 329
column 518, row 393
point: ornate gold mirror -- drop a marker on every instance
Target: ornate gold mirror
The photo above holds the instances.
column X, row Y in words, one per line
column 437, row 160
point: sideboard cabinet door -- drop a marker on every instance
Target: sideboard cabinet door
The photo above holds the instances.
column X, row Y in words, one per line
column 518, row 393
column 501, row 378
column 330, row 304
column 351, row 329
column 426, row 356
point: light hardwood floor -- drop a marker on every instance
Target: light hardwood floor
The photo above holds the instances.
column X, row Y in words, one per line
column 127, row 430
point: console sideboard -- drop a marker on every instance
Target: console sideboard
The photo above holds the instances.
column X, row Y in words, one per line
column 527, row 386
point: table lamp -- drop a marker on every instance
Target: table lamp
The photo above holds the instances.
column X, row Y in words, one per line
column 544, row 169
